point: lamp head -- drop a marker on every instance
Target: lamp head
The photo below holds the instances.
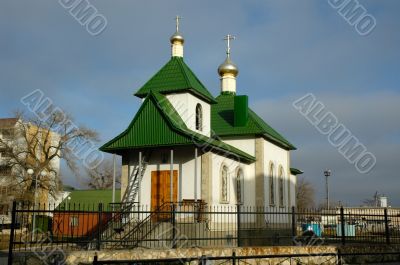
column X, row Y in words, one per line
column 327, row 172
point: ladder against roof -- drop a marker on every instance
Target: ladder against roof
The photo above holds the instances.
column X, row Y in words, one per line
column 135, row 179
column 123, row 213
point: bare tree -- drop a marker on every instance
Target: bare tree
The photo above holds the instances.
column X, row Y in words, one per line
column 39, row 144
column 305, row 194
column 101, row 177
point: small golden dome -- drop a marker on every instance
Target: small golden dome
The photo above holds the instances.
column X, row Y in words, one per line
column 228, row 67
column 177, row 37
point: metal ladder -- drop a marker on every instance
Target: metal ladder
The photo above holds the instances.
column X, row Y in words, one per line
column 134, row 180
column 128, row 201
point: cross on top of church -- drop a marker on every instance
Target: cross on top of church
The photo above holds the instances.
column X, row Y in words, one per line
column 177, row 18
column 228, row 39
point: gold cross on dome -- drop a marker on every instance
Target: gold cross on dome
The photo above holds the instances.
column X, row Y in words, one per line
column 228, row 39
column 177, row 18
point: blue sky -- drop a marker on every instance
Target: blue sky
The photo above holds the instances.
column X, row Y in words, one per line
column 284, row 50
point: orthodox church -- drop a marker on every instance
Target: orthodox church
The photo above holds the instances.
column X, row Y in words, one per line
column 185, row 145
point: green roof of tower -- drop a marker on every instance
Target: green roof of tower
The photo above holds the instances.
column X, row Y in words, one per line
column 174, row 77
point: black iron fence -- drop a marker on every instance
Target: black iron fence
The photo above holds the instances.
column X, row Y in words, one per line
column 233, row 259
column 305, row 258
column 192, row 224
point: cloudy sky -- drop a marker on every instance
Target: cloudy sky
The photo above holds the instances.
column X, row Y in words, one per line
column 284, row 49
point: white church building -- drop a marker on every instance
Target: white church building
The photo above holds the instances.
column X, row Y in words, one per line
column 185, row 145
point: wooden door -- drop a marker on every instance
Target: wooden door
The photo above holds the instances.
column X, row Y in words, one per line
column 161, row 193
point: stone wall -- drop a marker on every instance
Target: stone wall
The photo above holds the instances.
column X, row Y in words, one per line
column 313, row 255
column 86, row 257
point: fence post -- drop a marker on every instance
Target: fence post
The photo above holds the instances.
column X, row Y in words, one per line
column 203, row 260
column 238, row 225
column 294, row 226
column 99, row 227
column 387, row 231
column 11, row 243
column 342, row 226
column 95, row 259
column 234, row 258
column 173, row 225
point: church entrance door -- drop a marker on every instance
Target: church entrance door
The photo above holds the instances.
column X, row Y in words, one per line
column 161, row 194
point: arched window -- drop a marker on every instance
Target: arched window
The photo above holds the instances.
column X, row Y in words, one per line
column 199, row 117
column 280, row 186
column 239, row 186
column 224, row 184
column 271, row 184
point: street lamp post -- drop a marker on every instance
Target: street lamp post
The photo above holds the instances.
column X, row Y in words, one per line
column 30, row 173
column 327, row 173
column 43, row 174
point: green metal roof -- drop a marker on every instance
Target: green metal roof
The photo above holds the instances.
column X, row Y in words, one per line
column 88, row 199
column 158, row 124
column 222, row 123
column 295, row 171
column 175, row 76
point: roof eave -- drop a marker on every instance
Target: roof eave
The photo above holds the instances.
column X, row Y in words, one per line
column 246, row 158
column 189, row 89
column 264, row 135
column 287, row 146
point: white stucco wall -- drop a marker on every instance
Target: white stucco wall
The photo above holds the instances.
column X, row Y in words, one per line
column 248, row 181
column 293, row 183
column 185, row 105
column 184, row 163
column 245, row 144
column 279, row 157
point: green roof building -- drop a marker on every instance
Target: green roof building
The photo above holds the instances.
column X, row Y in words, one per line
column 186, row 145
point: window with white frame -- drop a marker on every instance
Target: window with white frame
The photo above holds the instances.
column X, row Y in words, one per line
column 199, row 117
column 224, row 184
column 280, row 186
column 271, row 184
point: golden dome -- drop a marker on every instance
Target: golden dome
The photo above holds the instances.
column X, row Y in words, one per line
column 177, row 37
column 228, row 67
